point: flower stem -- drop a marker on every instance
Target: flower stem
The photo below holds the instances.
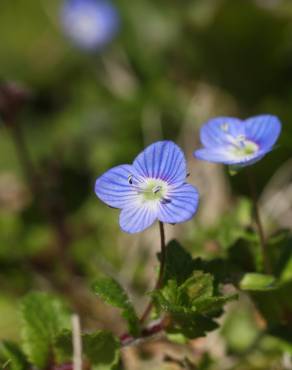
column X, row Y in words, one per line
column 161, row 271
column 258, row 221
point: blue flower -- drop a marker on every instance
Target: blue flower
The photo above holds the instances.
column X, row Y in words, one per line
column 152, row 188
column 91, row 24
column 238, row 143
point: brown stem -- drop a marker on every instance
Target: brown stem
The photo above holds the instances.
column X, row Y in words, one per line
column 152, row 329
column 161, row 271
column 257, row 218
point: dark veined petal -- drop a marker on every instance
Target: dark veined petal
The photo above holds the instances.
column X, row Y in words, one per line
column 163, row 160
column 113, row 187
column 214, row 132
column 264, row 130
column 137, row 217
column 183, row 204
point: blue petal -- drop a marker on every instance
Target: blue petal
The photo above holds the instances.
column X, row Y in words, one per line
column 89, row 23
column 163, row 160
column 222, row 155
column 263, row 130
column 113, row 186
column 184, row 201
column 216, row 155
column 214, row 132
column 137, row 217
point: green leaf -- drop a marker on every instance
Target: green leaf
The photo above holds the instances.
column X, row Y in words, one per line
column 101, row 348
column 43, row 317
column 245, row 253
column 192, row 325
column 240, row 319
column 257, row 282
column 63, row 346
column 198, row 286
column 13, row 355
column 192, row 306
column 280, row 253
column 178, row 263
column 275, row 304
column 112, row 293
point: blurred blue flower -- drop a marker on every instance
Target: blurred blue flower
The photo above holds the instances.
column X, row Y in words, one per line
column 152, row 188
column 91, row 24
column 238, row 143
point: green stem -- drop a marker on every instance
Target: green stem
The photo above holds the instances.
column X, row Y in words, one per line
column 258, row 221
column 159, row 281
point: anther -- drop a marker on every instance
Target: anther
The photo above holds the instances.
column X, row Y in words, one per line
column 241, row 141
column 130, row 179
column 165, row 201
column 157, row 189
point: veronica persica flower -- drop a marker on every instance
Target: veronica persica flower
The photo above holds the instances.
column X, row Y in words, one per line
column 152, row 188
column 238, row 142
column 91, row 24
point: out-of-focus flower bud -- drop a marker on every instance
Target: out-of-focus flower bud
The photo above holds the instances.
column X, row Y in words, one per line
column 91, row 24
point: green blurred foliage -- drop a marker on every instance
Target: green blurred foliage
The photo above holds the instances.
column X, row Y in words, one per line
column 90, row 111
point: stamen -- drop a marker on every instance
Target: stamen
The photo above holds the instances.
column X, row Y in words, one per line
column 130, row 179
column 165, row 201
column 152, row 190
column 241, row 141
column 156, row 189
column 188, row 174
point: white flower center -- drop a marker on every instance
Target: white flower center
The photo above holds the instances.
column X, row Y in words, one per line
column 240, row 146
column 243, row 147
column 151, row 190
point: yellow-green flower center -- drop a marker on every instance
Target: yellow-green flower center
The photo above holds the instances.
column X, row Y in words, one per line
column 239, row 145
column 243, row 147
column 154, row 190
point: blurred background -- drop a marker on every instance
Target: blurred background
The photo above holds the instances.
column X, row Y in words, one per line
column 85, row 87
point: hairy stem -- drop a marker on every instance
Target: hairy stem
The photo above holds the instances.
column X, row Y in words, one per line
column 258, row 221
column 158, row 284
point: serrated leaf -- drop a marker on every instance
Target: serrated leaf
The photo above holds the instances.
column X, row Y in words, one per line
column 257, row 282
column 12, row 353
column 101, row 348
column 211, row 305
column 112, row 293
column 198, row 286
column 192, row 325
column 192, row 305
column 178, row 263
column 43, row 317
